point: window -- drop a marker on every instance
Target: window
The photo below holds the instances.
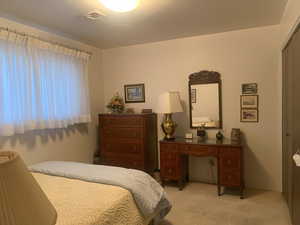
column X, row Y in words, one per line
column 42, row 85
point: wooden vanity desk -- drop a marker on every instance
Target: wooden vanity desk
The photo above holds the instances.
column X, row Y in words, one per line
column 174, row 160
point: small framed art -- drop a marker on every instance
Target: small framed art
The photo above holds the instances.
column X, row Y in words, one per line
column 249, row 115
column 134, row 93
column 249, row 89
column 249, row 101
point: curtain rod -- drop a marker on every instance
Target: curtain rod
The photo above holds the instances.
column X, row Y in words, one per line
column 41, row 39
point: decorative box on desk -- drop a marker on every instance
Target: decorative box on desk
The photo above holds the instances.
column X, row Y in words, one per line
column 129, row 140
column 174, row 160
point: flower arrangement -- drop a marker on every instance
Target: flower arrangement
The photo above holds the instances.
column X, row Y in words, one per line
column 116, row 104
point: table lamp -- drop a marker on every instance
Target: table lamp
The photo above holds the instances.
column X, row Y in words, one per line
column 22, row 201
column 168, row 103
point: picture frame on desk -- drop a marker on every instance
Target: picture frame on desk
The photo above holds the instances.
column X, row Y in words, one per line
column 189, row 136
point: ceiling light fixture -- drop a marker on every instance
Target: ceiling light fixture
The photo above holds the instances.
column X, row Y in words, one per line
column 120, row 5
column 94, row 15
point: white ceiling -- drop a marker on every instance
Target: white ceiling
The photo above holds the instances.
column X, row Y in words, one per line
column 153, row 20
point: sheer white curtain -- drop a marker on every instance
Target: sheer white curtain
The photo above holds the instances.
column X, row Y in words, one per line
column 42, row 85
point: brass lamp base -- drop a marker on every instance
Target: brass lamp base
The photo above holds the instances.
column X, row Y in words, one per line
column 168, row 126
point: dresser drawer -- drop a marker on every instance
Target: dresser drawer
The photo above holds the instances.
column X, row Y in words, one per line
column 121, row 121
column 126, row 162
column 129, row 140
column 122, row 147
column 123, row 132
column 232, row 178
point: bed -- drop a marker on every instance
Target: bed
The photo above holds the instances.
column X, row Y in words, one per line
column 82, row 198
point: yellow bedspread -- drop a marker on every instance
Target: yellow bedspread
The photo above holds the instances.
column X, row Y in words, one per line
column 84, row 203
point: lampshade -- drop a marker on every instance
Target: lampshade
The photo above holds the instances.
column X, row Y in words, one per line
column 22, row 201
column 169, row 102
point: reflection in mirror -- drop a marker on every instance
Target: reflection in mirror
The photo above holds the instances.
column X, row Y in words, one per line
column 205, row 105
column 205, row 100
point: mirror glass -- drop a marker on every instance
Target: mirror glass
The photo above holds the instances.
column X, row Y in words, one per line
column 205, row 108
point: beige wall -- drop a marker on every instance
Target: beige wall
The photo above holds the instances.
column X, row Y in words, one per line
column 241, row 57
column 77, row 143
column 290, row 19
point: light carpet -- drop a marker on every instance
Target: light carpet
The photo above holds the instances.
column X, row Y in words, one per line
column 198, row 204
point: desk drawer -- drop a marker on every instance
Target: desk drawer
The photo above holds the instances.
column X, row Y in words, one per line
column 230, row 162
column 199, row 150
column 170, row 171
column 169, row 161
column 169, row 157
column 230, row 166
column 164, row 147
column 230, row 178
column 230, row 159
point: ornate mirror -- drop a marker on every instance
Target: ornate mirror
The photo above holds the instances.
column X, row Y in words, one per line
column 205, row 100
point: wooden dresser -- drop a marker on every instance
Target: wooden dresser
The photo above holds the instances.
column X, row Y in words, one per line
column 129, row 140
column 174, row 161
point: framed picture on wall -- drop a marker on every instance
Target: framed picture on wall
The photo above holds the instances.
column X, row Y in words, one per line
column 194, row 95
column 249, row 115
column 134, row 93
column 249, row 101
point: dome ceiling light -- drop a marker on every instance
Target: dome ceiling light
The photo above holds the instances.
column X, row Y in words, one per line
column 120, row 5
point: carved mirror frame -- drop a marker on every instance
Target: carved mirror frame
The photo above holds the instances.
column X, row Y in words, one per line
column 206, row 77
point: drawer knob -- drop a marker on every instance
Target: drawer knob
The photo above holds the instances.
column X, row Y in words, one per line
column 170, row 170
column 229, row 162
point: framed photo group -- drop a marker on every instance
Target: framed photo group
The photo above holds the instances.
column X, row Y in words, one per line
column 249, row 103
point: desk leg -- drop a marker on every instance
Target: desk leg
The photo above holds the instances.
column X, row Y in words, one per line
column 242, row 193
column 187, row 172
column 180, row 184
column 162, row 183
column 219, row 190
